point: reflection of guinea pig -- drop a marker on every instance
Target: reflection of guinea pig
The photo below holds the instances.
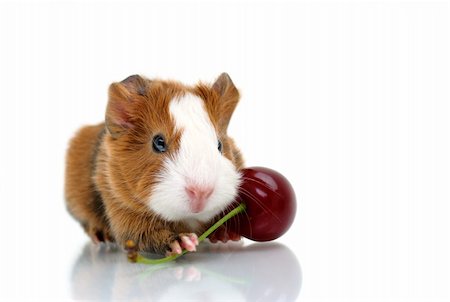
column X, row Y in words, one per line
column 160, row 168
column 221, row 272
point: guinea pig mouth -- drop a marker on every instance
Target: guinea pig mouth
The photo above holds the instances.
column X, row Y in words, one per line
column 197, row 208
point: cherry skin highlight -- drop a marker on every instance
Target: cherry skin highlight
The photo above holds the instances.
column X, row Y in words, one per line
column 270, row 205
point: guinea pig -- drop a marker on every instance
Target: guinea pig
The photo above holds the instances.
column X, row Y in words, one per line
column 160, row 169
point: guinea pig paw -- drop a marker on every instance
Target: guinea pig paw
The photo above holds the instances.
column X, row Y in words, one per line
column 224, row 235
column 174, row 249
column 234, row 236
column 189, row 242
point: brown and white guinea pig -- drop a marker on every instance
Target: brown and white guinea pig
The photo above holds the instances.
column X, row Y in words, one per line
column 160, row 169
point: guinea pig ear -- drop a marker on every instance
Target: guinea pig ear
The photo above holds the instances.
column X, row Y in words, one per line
column 122, row 99
column 228, row 98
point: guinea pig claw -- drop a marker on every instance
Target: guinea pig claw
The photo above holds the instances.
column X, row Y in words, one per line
column 189, row 242
column 194, row 238
column 234, row 236
column 175, row 249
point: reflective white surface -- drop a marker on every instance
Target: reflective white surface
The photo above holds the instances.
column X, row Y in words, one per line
column 231, row 272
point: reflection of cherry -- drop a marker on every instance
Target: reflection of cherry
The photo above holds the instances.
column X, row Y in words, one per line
column 270, row 205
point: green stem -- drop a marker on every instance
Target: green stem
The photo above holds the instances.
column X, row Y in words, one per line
column 240, row 208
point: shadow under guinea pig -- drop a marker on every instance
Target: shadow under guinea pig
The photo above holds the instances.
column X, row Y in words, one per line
column 216, row 272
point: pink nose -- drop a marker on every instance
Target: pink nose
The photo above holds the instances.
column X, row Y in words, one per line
column 198, row 196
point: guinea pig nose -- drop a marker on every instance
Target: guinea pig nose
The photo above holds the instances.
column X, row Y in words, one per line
column 198, row 196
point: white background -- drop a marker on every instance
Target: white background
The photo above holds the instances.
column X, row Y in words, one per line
column 350, row 100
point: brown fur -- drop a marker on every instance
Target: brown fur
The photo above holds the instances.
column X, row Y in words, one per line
column 111, row 167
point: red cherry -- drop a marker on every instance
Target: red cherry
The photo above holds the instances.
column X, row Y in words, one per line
column 270, row 205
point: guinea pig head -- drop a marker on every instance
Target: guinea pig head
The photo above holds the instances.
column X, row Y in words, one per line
column 168, row 147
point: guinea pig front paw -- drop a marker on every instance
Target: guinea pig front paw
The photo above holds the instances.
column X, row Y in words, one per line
column 188, row 241
column 223, row 234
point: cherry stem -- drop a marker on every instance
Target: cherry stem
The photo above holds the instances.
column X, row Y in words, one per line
column 141, row 259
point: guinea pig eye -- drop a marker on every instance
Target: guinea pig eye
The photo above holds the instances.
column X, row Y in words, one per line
column 159, row 144
column 219, row 146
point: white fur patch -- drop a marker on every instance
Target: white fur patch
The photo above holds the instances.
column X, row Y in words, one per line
column 198, row 162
